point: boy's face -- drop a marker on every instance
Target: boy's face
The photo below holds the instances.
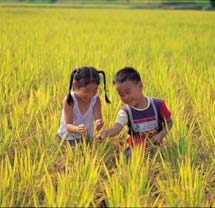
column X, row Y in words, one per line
column 130, row 92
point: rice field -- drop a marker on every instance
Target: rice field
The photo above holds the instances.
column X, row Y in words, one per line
column 173, row 51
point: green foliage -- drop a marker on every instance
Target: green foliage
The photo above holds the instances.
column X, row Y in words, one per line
column 212, row 2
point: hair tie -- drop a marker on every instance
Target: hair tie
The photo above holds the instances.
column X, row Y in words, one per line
column 77, row 69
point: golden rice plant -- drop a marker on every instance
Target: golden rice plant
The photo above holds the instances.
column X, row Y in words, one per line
column 173, row 51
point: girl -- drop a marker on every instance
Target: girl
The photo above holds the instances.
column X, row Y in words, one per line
column 82, row 106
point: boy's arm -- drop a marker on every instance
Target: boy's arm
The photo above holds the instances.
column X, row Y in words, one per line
column 68, row 118
column 158, row 138
column 97, row 113
column 121, row 121
column 110, row 132
column 166, row 114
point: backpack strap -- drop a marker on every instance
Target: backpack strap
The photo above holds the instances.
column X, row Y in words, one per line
column 130, row 118
column 155, row 110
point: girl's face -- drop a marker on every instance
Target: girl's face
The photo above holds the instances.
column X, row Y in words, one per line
column 130, row 92
column 86, row 93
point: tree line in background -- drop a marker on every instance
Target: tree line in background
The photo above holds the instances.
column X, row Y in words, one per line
column 34, row 1
column 212, row 2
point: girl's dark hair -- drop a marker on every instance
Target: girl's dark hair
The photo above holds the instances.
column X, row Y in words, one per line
column 84, row 76
column 125, row 74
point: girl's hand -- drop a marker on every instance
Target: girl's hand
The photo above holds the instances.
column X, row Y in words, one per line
column 81, row 128
column 99, row 124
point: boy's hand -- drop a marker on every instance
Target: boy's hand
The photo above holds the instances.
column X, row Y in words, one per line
column 99, row 124
column 81, row 128
column 157, row 139
column 102, row 136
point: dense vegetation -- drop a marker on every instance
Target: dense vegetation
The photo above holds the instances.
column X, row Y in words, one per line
column 174, row 53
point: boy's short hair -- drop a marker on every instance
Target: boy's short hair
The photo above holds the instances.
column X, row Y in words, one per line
column 125, row 74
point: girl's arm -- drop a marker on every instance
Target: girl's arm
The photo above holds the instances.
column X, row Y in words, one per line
column 68, row 118
column 97, row 113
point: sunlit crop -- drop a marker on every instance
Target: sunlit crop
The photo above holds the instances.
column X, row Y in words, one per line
column 174, row 53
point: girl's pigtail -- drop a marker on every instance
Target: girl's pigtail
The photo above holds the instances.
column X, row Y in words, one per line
column 104, row 78
column 69, row 99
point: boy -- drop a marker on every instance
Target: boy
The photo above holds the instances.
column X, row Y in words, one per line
column 147, row 118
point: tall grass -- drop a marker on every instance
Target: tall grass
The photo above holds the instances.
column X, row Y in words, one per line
column 173, row 50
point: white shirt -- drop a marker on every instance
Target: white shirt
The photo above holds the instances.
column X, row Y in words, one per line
column 78, row 118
